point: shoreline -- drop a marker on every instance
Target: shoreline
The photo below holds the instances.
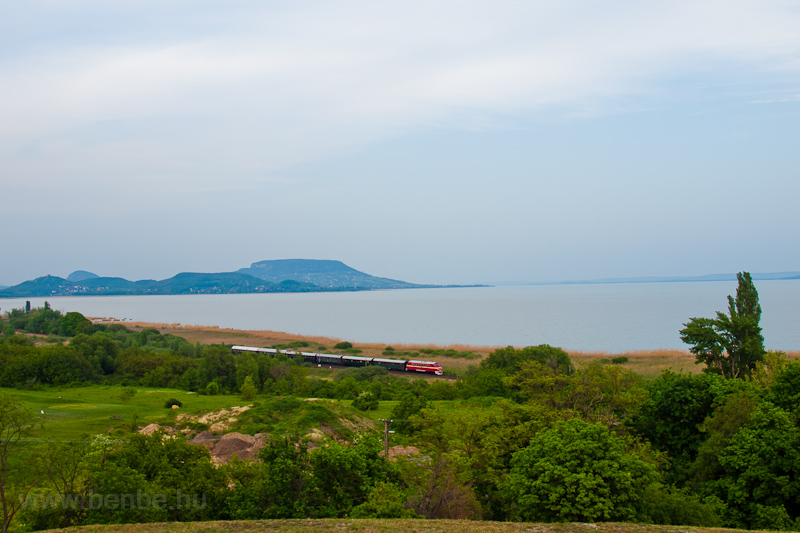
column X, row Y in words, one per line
column 648, row 363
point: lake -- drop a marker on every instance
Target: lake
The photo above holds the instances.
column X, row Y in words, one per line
column 606, row 317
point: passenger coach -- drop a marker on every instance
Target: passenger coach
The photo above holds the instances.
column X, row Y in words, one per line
column 428, row 367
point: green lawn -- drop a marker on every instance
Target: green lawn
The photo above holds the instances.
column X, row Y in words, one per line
column 70, row 413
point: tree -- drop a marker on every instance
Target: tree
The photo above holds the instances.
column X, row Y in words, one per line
column 248, row 391
column 671, row 416
column 510, row 359
column 731, row 344
column 761, row 465
column 578, row 472
column 385, row 501
column 66, row 466
column 409, row 405
column 16, row 425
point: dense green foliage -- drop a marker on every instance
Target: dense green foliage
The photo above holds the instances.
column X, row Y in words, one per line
column 578, row 472
column 524, row 435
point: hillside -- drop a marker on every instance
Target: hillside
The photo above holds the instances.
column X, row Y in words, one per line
column 288, row 275
column 322, row 273
column 81, row 275
column 184, row 283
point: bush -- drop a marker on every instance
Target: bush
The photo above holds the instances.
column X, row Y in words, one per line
column 578, row 472
column 172, row 401
column 619, row 360
column 366, row 402
column 343, row 345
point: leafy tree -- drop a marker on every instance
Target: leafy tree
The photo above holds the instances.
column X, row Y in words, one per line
column 181, row 473
column 766, row 371
column 284, row 484
column 670, row 418
column 731, row 344
column 409, row 405
column 246, row 366
column 248, row 391
column 385, row 501
column 113, row 479
column 720, row 428
column 510, row 359
column 73, row 323
column 785, row 390
column 444, row 491
column 596, row 392
column 65, row 466
column 340, row 480
column 761, row 465
column 578, row 472
column 16, row 426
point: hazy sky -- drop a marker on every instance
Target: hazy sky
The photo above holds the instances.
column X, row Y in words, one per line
column 433, row 142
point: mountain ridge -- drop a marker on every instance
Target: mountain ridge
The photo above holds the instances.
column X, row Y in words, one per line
column 282, row 275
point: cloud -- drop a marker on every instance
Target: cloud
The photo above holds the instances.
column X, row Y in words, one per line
column 189, row 93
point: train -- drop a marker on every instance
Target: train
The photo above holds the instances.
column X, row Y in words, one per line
column 427, row 367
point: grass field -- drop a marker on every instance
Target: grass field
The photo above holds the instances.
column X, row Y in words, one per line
column 70, row 413
column 73, row 413
column 387, row 526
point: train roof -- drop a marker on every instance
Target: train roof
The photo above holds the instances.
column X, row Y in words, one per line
column 425, row 362
column 355, row 357
column 389, row 360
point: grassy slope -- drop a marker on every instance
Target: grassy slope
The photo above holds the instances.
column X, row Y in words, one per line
column 388, row 526
column 73, row 413
column 70, row 413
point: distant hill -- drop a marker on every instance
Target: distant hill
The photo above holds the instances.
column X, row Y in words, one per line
column 709, row 277
column 664, row 279
column 289, row 275
column 322, row 273
column 81, row 275
column 184, row 283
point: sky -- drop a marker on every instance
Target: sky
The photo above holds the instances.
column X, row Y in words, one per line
column 427, row 141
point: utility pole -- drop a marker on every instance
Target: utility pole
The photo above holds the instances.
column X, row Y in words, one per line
column 385, row 436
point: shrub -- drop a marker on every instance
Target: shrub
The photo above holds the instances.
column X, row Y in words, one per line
column 366, row 402
column 172, row 401
column 619, row 360
column 343, row 345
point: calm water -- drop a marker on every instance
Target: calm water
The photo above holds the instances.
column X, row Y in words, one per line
column 613, row 318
